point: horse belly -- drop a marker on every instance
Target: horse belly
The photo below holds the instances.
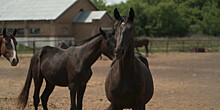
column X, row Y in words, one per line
column 57, row 78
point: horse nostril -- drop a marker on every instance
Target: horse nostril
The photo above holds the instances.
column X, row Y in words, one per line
column 13, row 60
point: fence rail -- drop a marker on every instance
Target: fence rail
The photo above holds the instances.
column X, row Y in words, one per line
column 33, row 45
column 170, row 45
column 156, row 45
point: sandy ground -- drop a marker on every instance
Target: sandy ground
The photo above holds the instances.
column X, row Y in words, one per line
column 182, row 81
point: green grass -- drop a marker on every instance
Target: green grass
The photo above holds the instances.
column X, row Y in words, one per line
column 22, row 49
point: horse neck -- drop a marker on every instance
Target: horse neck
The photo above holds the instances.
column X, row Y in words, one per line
column 127, row 63
column 91, row 51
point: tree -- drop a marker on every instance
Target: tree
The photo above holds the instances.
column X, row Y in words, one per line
column 170, row 17
column 165, row 20
column 210, row 24
column 100, row 4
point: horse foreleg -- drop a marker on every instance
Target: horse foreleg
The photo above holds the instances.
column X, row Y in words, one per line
column 146, row 49
column 45, row 96
column 73, row 89
column 80, row 94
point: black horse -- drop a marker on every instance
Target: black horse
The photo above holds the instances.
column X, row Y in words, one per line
column 65, row 67
column 141, row 41
column 129, row 83
column 66, row 44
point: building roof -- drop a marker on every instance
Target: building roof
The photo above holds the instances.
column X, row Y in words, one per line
column 33, row 9
column 87, row 17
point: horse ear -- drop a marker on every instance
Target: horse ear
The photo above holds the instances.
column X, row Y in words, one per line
column 131, row 15
column 4, row 32
column 15, row 31
column 102, row 32
column 116, row 14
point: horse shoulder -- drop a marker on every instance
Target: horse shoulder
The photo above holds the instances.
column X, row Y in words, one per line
column 74, row 61
column 112, row 79
column 113, row 75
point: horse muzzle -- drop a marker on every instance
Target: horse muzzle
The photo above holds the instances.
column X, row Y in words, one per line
column 14, row 61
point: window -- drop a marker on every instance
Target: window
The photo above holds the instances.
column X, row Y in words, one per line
column 35, row 31
column 20, row 31
column 10, row 30
column 64, row 31
column 81, row 10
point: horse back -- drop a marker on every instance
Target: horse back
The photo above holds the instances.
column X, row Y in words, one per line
column 52, row 65
column 140, row 41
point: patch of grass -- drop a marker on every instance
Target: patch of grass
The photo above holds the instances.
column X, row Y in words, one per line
column 22, row 49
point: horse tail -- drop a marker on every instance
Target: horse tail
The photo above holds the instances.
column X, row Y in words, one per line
column 23, row 97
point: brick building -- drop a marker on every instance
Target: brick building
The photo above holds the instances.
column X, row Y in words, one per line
column 76, row 19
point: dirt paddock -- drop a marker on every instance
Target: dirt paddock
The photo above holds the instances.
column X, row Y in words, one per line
column 182, row 81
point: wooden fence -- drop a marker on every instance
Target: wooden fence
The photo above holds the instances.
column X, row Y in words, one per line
column 176, row 45
column 32, row 46
column 156, row 45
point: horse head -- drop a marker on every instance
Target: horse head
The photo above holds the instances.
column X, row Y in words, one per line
column 108, row 44
column 8, row 45
column 124, row 33
column 64, row 44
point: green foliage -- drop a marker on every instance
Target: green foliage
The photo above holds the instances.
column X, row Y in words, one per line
column 100, row 4
column 210, row 24
column 170, row 17
column 166, row 21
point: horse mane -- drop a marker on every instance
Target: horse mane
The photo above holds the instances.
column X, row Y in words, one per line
column 89, row 39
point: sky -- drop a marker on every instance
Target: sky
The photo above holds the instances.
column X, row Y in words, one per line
column 110, row 2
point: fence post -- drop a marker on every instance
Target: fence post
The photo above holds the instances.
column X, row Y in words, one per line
column 183, row 45
column 33, row 47
column 167, row 45
column 211, row 43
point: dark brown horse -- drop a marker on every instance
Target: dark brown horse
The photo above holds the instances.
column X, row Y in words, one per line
column 65, row 67
column 8, row 45
column 141, row 41
column 129, row 83
column 65, row 45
